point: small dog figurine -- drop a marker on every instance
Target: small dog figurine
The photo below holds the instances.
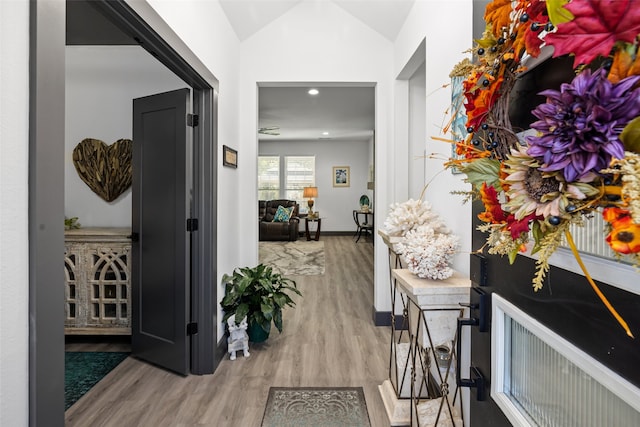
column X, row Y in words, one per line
column 238, row 339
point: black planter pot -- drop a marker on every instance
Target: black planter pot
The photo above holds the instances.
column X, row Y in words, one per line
column 256, row 333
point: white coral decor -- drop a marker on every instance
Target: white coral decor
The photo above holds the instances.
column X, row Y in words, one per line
column 427, row 244
column 428, row 253
column 409, row 215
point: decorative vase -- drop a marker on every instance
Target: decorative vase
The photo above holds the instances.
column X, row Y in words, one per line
column 256, row 333
column 364, row 203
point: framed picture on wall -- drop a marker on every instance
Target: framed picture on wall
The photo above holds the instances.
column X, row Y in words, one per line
column 229, row 157
column 458, row 117
column 341, row 176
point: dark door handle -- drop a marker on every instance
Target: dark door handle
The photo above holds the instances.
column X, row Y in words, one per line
column 483, row 306
column 478, row 379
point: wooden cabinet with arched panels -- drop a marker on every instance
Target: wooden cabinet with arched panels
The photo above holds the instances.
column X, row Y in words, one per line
column 97, row 281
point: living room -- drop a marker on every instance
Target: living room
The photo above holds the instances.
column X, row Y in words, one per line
column 331, row 129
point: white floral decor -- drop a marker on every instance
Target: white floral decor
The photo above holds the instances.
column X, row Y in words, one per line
column 427, row 245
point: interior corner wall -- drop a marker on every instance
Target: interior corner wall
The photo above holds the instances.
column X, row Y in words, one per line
column 101, row 83
column 318, row 42
column 417, row 132
column 448, row 34
column 335, row 204
column 14, row 248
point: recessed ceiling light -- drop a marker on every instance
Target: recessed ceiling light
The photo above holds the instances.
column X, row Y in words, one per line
column 313, row 92
column 325, row 133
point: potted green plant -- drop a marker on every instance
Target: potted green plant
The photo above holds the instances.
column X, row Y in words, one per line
column 260, row 294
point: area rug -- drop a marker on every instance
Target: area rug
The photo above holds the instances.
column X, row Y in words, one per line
column 304, row 258
column 316, row 406
column 83, row 370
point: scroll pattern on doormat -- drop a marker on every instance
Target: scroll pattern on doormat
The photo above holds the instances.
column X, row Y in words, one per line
column 316, row 406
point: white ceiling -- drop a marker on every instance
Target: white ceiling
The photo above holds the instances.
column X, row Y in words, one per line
column 346, row 113
column 249, row 16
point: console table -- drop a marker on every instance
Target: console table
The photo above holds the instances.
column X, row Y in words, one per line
column 434, row 308
column 421, row 389
column 97, row 267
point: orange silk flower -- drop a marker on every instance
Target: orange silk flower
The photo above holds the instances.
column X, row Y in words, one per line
column 624, row 237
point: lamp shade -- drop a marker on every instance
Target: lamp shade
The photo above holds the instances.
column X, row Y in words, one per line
column 310, row 192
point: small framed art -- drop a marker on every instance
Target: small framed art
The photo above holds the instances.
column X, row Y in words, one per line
column 229, row 157
column 341, row 176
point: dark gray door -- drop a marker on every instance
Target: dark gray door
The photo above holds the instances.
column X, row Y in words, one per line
column 160, row 249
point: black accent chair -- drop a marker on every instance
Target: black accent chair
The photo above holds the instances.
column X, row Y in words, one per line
column 270, row 230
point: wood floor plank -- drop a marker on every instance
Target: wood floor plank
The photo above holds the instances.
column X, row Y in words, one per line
column 328, row 340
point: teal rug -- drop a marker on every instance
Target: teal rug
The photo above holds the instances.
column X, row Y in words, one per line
column 83, row 370
column 316, row 407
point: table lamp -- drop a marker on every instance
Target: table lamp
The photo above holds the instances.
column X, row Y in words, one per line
column 310, row 193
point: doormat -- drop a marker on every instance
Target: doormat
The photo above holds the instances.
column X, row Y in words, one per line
column 83, row 370
column 299, row 258
column 316, row 406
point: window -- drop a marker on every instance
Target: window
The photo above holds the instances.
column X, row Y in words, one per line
column 541, row 379
column 285, row 177
column 268, row 177
column 300, row 173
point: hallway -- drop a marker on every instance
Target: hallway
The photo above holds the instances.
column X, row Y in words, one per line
column 328, row 339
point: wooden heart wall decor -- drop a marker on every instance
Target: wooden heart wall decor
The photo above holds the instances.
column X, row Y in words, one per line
column 106, row 169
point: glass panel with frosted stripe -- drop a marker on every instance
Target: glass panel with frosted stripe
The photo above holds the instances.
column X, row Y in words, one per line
column 590, row 239
column 550, row 390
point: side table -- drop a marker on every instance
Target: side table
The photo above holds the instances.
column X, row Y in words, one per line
column 434, row 308
column 307, row 220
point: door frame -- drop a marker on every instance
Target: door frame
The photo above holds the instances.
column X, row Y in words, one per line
column 46, row 191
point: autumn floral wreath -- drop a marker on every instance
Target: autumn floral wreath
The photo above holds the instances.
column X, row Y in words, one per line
column 584, row 158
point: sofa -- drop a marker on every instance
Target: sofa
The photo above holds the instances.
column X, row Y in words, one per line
column 277, row 230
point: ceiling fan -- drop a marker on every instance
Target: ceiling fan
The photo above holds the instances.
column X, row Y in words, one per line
column 271, row 130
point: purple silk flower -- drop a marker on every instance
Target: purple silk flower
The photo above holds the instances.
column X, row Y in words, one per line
column 579, row 126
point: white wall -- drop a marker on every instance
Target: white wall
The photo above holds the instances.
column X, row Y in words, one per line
column 335, row 204
column 417, row 131
column 14, row 172
column 204, row 27
column 446, row 25
column 318, row 42
column 101, row 83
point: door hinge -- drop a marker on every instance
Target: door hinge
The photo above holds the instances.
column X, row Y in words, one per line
column 192, row 224
column 192, row 120
column 192, row 328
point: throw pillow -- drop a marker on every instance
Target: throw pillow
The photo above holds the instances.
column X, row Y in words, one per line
column 282, row 214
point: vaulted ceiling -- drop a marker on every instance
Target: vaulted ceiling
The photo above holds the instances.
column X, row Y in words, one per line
column 249, row 16
column 336, row 113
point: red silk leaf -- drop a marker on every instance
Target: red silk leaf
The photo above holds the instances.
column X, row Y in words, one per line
column 516, row 228
column 493, row 210
column 537, row 13
column 596, row 26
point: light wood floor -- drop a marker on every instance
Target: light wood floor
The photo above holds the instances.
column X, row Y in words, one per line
column 328, row 340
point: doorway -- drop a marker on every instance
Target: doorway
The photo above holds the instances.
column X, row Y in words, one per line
column 141, row 24
column 304, row 132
